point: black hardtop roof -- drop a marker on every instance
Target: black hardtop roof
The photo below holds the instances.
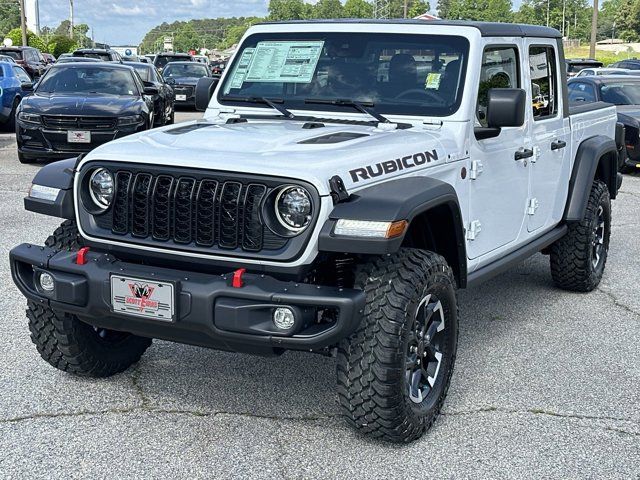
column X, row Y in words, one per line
column 487, row 29
column 172, row 54
column 106, row 65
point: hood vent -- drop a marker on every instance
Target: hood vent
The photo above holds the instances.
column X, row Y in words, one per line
column 188, row 128
column 333, row 138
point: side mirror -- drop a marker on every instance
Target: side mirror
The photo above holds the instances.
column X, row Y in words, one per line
column 204, row 91
column 171, row 81
column 150, row 90
column 27, row 87
column 505, row 108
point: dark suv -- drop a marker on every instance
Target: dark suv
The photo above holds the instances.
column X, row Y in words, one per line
column 106, row 55
column 631, row 64
column 28, row 58
column 574, row 65
column 163, row 58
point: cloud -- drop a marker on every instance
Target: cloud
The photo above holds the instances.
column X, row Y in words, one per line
column 132, row 12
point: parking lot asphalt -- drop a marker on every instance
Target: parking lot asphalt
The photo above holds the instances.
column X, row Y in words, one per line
column 547, row 385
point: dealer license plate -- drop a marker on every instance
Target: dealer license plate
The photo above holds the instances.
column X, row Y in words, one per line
column 79, row 136
column 143, row 298
column 181, row 98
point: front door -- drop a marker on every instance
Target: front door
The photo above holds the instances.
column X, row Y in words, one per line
column 551, row 134
column 499, row 184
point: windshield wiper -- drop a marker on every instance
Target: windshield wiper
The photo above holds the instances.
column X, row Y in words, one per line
column 273, row 103
column 364, row 107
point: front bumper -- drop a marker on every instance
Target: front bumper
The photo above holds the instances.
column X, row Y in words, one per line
column 37, row 141
column 209, row 311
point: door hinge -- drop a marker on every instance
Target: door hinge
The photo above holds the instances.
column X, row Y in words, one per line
column 536, row 154
column 474, row 230
column 532, row 206
column 476, row 169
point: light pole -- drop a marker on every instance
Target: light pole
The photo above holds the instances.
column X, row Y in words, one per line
column 594, row 30
column 71, row 19
column 23, row 24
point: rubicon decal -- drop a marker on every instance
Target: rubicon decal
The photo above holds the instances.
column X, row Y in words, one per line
column 402, row 163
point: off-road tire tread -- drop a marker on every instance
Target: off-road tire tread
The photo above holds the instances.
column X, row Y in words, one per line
column 570, row 256
column 369, row 394
column 66, row 342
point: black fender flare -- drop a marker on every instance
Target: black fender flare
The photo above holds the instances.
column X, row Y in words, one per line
column 400, row 199
column 597, row 157
column 58, row 175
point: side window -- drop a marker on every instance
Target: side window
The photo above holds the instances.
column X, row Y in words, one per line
column 22, row 75
column 499, row 70
column 544, row 82
column 581, row 92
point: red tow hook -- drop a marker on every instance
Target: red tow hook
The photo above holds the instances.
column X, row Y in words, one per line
column 237, row 278
column 81, row 256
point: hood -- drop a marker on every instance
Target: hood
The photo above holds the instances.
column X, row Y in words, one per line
column 106, row 105
column 359, row 154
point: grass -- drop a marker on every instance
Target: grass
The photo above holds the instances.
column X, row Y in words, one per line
column 603, row 56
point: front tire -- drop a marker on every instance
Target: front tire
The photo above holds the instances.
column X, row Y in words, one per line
column 578, row 259
column 394, row 372
column 73, row 346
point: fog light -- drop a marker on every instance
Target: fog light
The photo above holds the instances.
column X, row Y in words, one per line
column 46, row 282
column 284, row 318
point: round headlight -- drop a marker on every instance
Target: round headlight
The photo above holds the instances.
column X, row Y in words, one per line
column 101, row 187
column 293, row 208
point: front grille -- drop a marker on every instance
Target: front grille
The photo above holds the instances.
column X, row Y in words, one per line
column 198, row 211
column 184, row 90
column 68, row 122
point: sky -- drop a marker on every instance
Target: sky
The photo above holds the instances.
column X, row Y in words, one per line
column 121, row 22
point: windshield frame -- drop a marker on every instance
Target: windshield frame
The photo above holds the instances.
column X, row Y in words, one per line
column 412, row 38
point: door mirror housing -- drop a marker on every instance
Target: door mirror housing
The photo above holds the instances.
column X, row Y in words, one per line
column 26, row 86
column 150, row 90
column 204, row 91
column 505, row 108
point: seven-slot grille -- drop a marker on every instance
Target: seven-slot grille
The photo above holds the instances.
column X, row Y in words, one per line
column 207, row 212
column 64, row 122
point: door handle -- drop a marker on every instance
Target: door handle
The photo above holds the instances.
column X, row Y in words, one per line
column 558, row 144
column 522, row 154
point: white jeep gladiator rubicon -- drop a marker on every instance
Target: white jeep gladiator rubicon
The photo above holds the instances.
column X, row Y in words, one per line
column 348, row 177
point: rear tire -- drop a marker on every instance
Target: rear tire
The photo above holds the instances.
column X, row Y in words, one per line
column 393, row 373
column 73, row 346
column 578, row 259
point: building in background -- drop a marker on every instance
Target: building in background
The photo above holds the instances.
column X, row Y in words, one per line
column 32, row 12
column 126, row 50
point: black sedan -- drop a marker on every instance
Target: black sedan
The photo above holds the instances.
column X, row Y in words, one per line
column 622, row 91
column 183, row 77
column 77, row 106
column 163, row 106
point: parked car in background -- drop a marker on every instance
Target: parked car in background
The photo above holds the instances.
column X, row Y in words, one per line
column 217, row 68
column 574, row 65
column 72, row 59
column 151, row 57
column 144, row 59
column 162, row 59
column 78, row 106
column 624, row 93
column 183, row 77
column 28, row 58
column 630, row 64
column 106, row 55
column 588, row 72
column 163, row 101
column 130, row 58
column 15, row 84
column 201, row 59
column 50, row 59
column 7, row 58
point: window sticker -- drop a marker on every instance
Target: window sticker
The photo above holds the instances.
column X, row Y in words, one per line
column 240, row 72
column 433, row 81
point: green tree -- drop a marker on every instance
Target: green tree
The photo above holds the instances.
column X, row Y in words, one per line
column 186, row 38
column 418, row 7
column 59, row 44
column 358, row 9
column 577, row 15
column 328, row 9
column 9, row 18
column 289, row 10
column 32, row 39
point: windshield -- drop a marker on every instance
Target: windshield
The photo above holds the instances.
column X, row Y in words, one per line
column 621, row 93
column 162, row 60
column 192, row 70
column 100, row 56
column 144, row 72
column 89, row 79
column 397, row 73
column 12, row 53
